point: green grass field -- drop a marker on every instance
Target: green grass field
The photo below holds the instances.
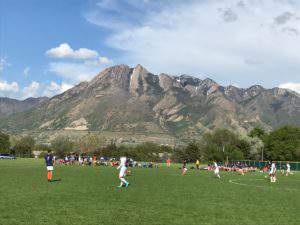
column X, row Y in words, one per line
column 87, row 195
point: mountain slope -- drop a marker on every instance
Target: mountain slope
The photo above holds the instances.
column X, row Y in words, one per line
column 133, row 100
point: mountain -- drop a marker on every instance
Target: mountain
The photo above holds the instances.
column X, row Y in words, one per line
column 9, row 106
column 133, row 101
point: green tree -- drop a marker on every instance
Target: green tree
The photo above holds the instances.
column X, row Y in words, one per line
column 255, row 147
column 191, row 152
column 283, row 144
column 221, row 144
column 147, row 151
column 4, row 142
column 62, row 145
column 24, row 146
column 257, row 132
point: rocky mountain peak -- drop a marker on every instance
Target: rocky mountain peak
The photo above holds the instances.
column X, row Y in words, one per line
column 165, row 81
column 253, row 90
column 118, row 75
column 209, row 82
column 185, row 80
column 112, row 72
column 142, row 82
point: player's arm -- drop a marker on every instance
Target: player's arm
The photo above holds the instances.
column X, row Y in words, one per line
column 120, row 165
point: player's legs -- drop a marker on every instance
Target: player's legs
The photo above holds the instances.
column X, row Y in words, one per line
column 184, row 170
column 49, row 172
column 48, row 175
column 217, row 174
column 121, row 177
column 273, row 178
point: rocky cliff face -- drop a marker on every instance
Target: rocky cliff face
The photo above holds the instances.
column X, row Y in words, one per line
column 134, row 100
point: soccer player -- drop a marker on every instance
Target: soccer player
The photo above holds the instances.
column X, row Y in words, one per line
column 123, row 168
column 184, row 169
column 49, row 165
column 198, row 164
column 168, row 162
column 288, row 169
column 217, row 170
column 272, row 173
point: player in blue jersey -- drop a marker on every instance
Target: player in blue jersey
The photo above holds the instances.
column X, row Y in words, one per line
column 49, row 165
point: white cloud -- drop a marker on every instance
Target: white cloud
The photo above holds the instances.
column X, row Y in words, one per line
column 232, row 41
column 74, row 72
column 34, row 89
column 9, row 90
column 3, row 64
column 31, row 91
column 65, row 51
column 53, row 89
column 26, row 71
column 98, row 62
column 292, row 86
column 8, row 87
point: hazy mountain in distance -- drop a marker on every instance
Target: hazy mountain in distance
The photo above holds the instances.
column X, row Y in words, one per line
column 9, row 106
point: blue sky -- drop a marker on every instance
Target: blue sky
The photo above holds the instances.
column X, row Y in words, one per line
column 47, row 47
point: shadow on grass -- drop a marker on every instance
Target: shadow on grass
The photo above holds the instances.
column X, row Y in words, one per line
column 55, row 180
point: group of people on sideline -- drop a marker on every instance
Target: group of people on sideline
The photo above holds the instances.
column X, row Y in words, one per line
column 241, row 168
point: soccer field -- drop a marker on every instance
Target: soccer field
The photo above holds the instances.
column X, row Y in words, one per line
column 87, row 195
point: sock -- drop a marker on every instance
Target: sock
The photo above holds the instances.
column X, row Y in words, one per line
column 123, row 180
column 50, row 175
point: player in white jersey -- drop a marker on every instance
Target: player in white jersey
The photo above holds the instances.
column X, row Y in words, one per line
column 272, row 173
column 288, row 169
column 123, row 168
column 217, row 170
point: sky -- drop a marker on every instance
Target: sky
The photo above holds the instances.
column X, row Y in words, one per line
column 47, row 47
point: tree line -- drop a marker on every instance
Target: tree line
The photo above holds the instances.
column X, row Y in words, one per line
column 282, row 144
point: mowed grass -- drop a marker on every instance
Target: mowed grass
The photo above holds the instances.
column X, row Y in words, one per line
column 88, row 195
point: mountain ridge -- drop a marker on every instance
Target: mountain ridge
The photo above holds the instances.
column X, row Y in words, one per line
column 133, row 100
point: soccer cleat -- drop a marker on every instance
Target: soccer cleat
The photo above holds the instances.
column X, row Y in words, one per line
column 127, row 184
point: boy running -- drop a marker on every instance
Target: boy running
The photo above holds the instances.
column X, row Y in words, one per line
column 123, row 168
column 49, row 165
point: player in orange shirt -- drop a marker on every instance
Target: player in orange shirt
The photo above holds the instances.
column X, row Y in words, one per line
column 168, row 162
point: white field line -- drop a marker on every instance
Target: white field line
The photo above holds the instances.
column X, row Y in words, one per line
column 259, row 186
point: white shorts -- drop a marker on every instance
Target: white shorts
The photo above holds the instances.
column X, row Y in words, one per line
column 122, row 171
column 288, row 170
column 49, row 168
column 216, row 171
